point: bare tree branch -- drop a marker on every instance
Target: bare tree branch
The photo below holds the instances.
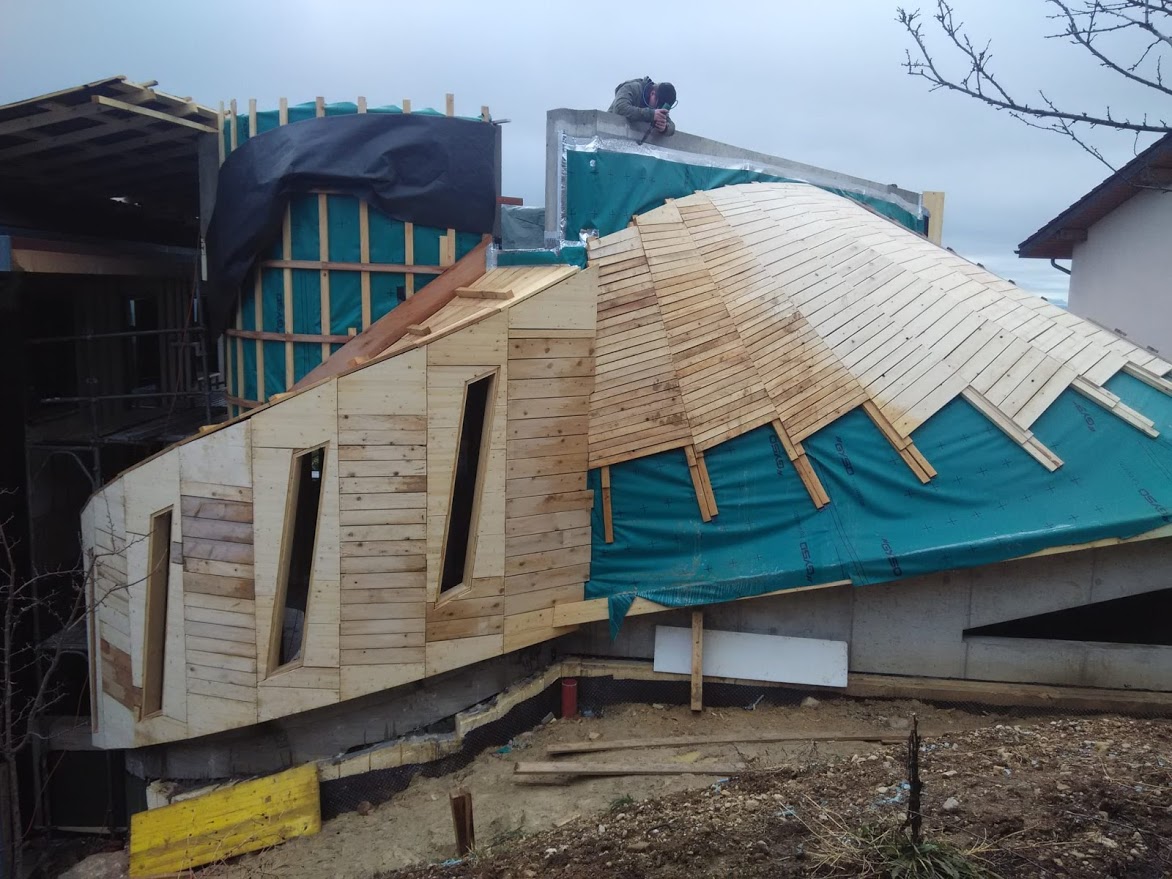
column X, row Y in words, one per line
column 1128, row 38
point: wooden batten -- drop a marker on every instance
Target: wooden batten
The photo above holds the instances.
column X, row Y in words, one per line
column 702, row 470
column 802, row 466
column 903, row 446
column 698, row 483
column 286, row 272
column 607, row 516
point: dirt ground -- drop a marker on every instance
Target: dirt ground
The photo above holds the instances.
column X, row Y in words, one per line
column 1040, row 796
column 416, row 825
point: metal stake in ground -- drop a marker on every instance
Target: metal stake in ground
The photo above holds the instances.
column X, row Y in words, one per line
column 914, row 818
column 462, row 821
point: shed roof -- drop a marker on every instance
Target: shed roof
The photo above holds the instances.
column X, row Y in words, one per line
column 106, row 139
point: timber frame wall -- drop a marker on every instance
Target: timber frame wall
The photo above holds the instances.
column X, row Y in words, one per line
column 238, row 338
column 375, row 617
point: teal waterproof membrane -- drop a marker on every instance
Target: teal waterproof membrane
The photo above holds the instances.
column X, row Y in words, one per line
column 604, row 182
column 387, row 289
column 989, row 502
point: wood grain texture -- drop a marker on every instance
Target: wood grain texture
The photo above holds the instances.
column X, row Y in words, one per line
column 780, row 302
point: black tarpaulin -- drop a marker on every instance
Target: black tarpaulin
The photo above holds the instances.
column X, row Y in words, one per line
column 429, row 170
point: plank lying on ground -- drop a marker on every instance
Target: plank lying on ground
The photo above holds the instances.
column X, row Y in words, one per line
column 720, row 739
column 225, row 823
column 563, row 767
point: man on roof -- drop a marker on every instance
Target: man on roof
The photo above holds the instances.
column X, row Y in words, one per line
column 647, row 102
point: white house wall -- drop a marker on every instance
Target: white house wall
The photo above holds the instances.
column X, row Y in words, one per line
column 1122, row 274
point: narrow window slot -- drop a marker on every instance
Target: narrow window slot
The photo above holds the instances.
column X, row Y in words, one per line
column 460, row 544
column 300, row 542
column 155, row 648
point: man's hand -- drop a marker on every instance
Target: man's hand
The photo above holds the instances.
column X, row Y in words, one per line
column 660, row 119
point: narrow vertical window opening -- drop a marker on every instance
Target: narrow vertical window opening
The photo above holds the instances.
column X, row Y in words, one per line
column 155, row 648
column 460, row 545
column 300, row 541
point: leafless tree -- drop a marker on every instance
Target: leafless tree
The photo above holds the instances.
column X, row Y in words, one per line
column 1130, row 38
column 30, row 686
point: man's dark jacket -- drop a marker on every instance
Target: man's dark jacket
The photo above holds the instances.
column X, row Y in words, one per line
column 630, row 100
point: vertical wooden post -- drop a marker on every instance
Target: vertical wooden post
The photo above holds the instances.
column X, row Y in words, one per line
column 220, row 132
column 323, row 250
column 462, row 821
column 607, row 517
column 408, row 238
column 234, row 135
column 364, row 244
column 258, row 289
column 698, row 483
column 934, row 204
column 287, row 254
column 697, row 660
column 227, row 342
column 448, row 242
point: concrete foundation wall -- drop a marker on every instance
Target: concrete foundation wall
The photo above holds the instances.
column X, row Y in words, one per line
column 913, row 627
column 335, row 729
column 916, row 627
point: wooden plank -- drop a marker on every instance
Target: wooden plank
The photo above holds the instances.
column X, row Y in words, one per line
column 408, row 238
column 594, row 609
column 382, row 641
column 607, row 516
column 208, row 491
column 364, row 246
column 218, row 550
column 219, row 825
column 697, row 695
column 754, row 737
column 208, row 584
column 697, row 484
column 215, row 510
column 219, row 569
column 215, row 529
column 388, row 656
column 569, row 767
column 287, row 272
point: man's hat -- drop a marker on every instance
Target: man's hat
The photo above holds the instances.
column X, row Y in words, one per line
column 665, row 95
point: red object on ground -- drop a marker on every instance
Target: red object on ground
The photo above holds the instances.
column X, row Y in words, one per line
column 569, row 697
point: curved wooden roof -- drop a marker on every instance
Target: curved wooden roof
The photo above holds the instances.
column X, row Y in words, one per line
column 783, row 303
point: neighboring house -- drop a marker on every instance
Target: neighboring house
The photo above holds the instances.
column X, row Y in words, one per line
column 1117, row 238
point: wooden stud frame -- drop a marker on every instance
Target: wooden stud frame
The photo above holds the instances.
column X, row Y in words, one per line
column 287, row 254
column 442, row 596
column 258, row 293
column 323, row 245
column 408, row 238
column 280, row 593
column 228, row 121
column 364, row 245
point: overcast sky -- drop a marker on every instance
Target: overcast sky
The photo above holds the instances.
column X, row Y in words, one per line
column 819, row 83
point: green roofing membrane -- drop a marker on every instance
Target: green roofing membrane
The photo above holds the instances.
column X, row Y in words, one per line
column 604, row 189
column 990, row 502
